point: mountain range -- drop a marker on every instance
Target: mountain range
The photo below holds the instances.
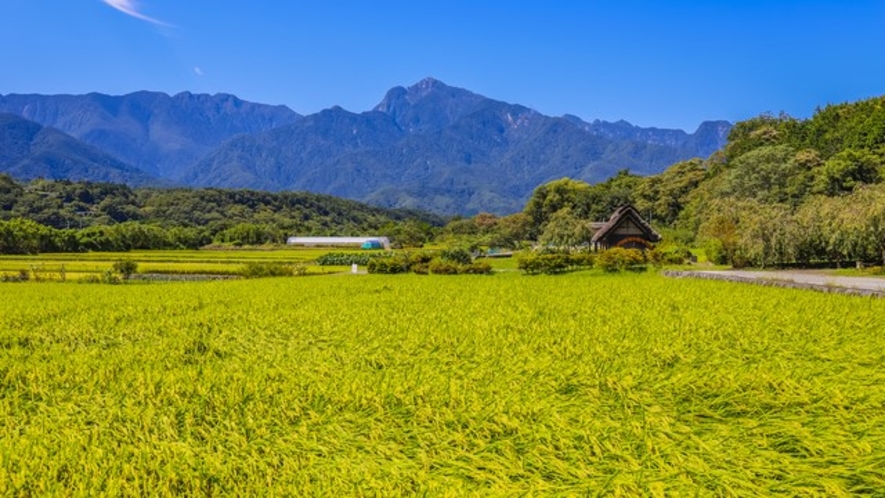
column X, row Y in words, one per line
column 28, row 150
column 429, row 146
column 161, row 135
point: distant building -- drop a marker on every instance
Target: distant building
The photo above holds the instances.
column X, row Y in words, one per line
column 363, row 242
column 625, row 228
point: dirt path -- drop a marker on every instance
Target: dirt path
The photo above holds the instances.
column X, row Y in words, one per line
column 797, row 279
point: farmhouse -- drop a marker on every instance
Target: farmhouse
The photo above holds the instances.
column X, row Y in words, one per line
column 364, row 242
column 625, row 228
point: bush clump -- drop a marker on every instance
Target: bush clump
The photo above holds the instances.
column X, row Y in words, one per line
column 618, row 259
column 390, row 266
column 347, row 259
column 553, row 263
column 106, row 277
column 425, row 262
column 478, row 268
column 125, row 267
column 457, row 255
column 716, row 252
column 21, row 276
column 443, row 267
column 671, row 255
column 272, row 269
column 421, row 257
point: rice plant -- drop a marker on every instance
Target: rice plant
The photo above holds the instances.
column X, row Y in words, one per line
column 402, row 385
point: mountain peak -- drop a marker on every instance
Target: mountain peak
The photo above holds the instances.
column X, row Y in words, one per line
column 427, row 84
column 712, row 135
column 429, row 104
column 427, row 88
column 392, row 100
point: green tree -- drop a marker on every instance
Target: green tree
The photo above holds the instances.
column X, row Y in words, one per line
column 10, row 193
column 846, row 171
column 603, row 198
column 763, row 174
column 863, row 219
column 765, row 233
column 410, row 233
column 552, row 197
column 565, row 230
column 126, row 267
column 509, row 231
column 664, row 196
column 21, row 236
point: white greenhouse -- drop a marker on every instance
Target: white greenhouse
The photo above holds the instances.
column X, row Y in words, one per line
column 363, row 242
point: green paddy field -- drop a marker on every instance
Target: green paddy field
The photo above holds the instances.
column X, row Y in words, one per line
column 370, row 385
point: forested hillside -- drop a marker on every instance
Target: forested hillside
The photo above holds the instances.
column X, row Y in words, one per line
column 29, row 150
column 782, row 191
column 45, row 215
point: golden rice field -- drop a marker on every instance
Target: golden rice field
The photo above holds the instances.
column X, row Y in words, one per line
column 286, row 255
column 371, row 385
column 74, row 266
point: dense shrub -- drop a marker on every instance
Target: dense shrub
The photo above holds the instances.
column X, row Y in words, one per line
column 528, row 264
column 478, row 268
column 443, row 267
column 20, row 276
column 426, row 262
column 272, row 269
column 555, row 262
column 716, row 252
column 421, row 257
column 22, row 236
column 89, row 279
column 457, row 255
column 347, row 259
column 671, row 255
column 125, row 267
column 620, row 259
column 250, row 234
column 106, row 277
column 389, row 266
column 582, row 259
column 544, row 263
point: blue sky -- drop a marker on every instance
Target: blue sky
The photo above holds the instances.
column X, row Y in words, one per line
column 653, row 63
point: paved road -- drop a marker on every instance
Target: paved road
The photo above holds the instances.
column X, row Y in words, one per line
column 806, row 277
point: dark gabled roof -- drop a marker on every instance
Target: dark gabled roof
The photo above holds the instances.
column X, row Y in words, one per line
column 622, row 212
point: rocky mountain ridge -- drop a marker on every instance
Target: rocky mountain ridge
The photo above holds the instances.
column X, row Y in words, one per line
column 429, row 146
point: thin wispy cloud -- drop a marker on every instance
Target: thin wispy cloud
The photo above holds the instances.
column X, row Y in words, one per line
column 130, row 8
column 198, row 71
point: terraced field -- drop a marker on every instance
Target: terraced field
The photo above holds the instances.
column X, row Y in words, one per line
column 202, row 262
column 400, row 385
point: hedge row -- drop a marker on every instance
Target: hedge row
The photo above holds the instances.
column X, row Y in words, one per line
column 258, row 269
column 347, row 259
column 452, row 262
column 553, row 263
column 612, row 260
